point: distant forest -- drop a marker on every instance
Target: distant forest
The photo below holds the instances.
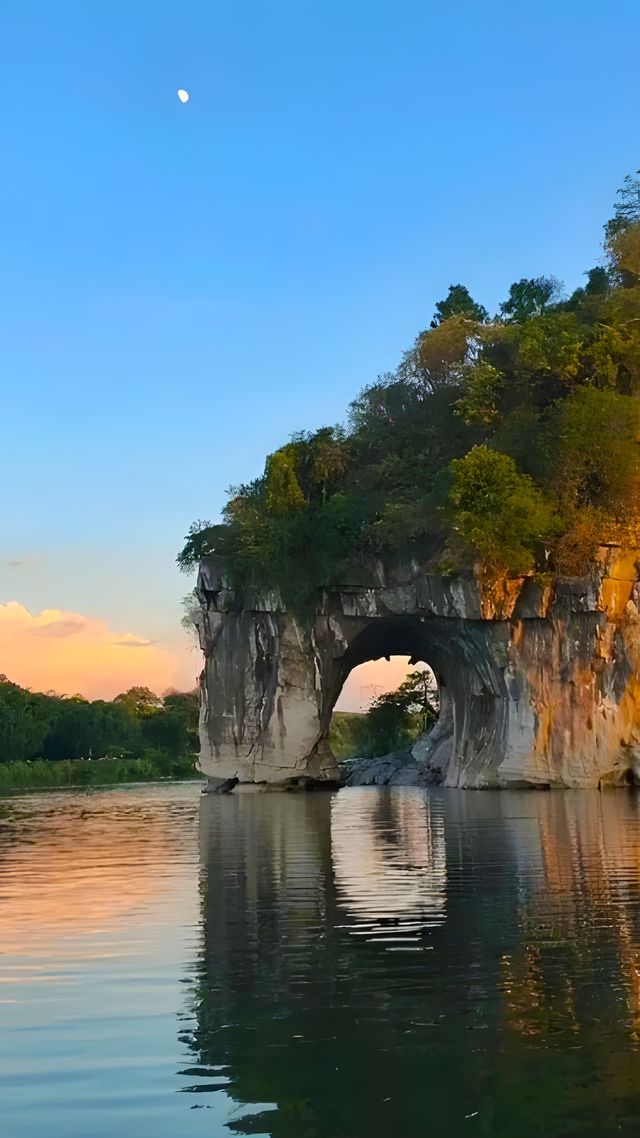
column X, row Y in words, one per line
column 506, row 440
column 38, row 725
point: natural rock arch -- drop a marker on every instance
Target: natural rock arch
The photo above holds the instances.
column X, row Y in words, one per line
column 539, row 684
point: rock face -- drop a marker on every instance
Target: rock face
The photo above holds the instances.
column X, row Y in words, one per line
column 539, row 684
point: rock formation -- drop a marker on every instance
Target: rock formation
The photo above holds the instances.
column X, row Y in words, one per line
column 539, row 682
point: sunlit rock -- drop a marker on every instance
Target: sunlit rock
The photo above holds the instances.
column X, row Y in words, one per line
column 539, row 681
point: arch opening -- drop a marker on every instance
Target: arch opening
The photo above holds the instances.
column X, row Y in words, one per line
column 385, row 706
column 470, row 682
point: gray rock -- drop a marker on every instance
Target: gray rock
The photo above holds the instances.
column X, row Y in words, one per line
column 539, row 683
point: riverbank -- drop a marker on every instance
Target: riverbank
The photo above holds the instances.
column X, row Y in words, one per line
column 96, row 772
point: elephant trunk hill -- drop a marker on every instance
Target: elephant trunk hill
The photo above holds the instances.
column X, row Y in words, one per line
column 539, row 680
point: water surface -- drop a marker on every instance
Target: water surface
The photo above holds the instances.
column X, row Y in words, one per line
column 366, row 964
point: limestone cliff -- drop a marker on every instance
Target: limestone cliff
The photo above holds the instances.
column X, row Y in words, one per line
column 539, row 684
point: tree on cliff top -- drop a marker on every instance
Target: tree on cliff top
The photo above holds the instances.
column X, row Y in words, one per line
column 497, row 513
column 508, row 441
column 459, row 302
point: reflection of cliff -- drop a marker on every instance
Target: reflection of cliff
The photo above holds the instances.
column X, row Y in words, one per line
column 266, row 865
column 291, row 1007
column 79, row 864
column 524, row 1008
column 583, row 904
column 388, row 861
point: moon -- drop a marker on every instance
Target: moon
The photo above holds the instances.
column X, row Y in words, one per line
column 182, row 95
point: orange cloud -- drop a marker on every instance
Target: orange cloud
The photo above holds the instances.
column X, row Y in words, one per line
column 68, row 653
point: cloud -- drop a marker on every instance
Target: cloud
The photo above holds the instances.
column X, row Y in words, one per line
column 70, row 652
column 19, row 562
column 59, row 625
column 130, row 640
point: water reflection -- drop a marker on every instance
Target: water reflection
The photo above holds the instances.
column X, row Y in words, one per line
column 78, row 866
column 345, row 966
column 98, row 916
column 520, row 1016
column 389, row 863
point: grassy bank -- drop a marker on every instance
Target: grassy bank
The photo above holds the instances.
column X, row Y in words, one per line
column 98, row 772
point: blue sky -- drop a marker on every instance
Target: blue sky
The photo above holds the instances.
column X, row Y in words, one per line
column 184, row 286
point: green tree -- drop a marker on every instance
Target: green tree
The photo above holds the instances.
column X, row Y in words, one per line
column 627, row 207
column 283, row 488
column 498, row 513
column 598, row 283
column 594, row 452
column 459, row 302
column 332, row 501
column 396, row 719
column 199, row 541
column 480, row 401
column 531, row 297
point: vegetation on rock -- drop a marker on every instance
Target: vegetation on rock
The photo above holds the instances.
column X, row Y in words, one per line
column 510, row 441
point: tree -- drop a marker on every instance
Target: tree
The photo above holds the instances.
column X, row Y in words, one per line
column 627, row 208
column 625, row 253
column 498, row 513
column 459, row 302
column 531, row 297
column 139, row 701
column 593, row 438
column 480, row 401
column 283, row 488
column 598, row 283
column 439, row 350
column 197, row 543
column 396, row 719
column 331, row 501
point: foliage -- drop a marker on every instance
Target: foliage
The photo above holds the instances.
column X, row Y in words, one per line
column 393, row 721
column 480, row 401
column 627, row 207
column 459, row 302
column 34, row 725
column 531, row 297
column 594, row 444
column 344, row 733
column 498, row 514
column 150, row 765
column 197, row 543
column 511, row 441
column 284, row 492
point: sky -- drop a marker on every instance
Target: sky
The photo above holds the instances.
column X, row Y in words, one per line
column 184, row 285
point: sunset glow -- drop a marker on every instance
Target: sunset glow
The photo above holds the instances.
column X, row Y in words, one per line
column 68, row 652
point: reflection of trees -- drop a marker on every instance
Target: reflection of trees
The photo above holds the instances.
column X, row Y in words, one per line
column 524, row 1009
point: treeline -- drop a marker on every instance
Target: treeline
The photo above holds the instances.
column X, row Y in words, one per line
column 508, row 439
column 38, row 725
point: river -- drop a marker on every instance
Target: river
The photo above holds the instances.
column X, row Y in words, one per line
column 366, row 964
